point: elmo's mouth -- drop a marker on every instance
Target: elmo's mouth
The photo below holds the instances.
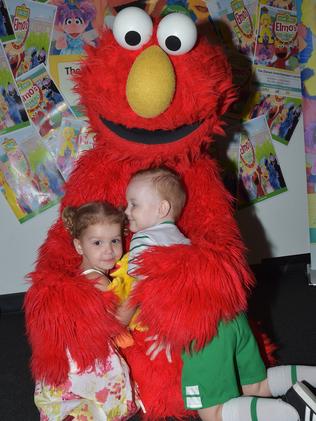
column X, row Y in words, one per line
column 150, row 137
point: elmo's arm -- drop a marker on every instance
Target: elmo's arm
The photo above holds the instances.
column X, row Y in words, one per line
column 188, row 289
column 64, row 310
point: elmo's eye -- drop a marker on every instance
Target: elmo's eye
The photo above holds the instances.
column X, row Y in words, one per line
column 176, row 34
column 132, row 28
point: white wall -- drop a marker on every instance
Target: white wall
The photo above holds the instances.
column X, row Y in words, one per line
column 273, row 228
column 19, row 244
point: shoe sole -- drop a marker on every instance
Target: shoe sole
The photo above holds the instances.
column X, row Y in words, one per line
column 308, row 397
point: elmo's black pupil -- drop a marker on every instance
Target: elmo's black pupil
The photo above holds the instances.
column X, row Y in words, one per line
column 132, row 38
column 173, row 43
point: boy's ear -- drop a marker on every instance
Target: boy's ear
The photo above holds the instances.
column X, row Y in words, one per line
column 164, row 208
column 77, row 246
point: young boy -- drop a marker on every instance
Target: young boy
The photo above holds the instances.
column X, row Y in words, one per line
column 214, row 378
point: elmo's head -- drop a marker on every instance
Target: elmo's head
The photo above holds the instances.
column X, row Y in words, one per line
column 154, row 89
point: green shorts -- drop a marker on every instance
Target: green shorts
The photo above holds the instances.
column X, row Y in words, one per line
column 215, row 374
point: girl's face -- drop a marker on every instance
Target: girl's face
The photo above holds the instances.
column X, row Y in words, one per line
column 100, row 246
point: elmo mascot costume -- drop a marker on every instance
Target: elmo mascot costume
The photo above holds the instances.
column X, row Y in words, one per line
column 154, row 94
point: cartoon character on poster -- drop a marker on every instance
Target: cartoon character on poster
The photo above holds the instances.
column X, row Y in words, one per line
column 43, row 101
column 196, row 9
column 74, row 26
column 282, row 4
column 247, row 168
column 9, row 193
column 236, row 21
column 37, row 106
column 15, row 51
column 12, row 112
column 277, row 44
column 15, row 107
column 18, row 174
column 68, row 143
column 243, row 27
column 32, row 23
column 5, row 119
column 260, row 175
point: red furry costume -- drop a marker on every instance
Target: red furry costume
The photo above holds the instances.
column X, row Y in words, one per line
column 188, row 290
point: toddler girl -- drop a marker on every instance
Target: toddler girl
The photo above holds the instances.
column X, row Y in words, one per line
column 102, row 391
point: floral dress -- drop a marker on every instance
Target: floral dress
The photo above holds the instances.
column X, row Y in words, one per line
column 101, row 393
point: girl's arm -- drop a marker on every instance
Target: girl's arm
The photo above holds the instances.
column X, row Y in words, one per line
column 102, row 281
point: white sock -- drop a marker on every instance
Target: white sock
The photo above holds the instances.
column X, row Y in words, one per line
column 282, row 378
column 258, row 409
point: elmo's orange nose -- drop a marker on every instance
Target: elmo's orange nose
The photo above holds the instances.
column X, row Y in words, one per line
column 151, row 83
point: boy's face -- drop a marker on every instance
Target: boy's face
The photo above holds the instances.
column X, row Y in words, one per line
column 143, row 204
column 100, row 246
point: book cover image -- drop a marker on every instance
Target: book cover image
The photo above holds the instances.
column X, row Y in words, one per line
column 77, row 24
column 236, row 22
column 276, row 43
column 282, row 4
column 282, row 113
column 68, row 143
column 12, row 112
column 6, row 28
column 43, row 101
column 29, row 178
column 32, row 24
column 196, row 9
column 259, row 174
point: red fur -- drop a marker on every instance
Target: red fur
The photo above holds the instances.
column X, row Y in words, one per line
column 164, row 395
column 187, row 291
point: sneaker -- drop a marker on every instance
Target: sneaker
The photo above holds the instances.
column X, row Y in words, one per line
column 301, row 397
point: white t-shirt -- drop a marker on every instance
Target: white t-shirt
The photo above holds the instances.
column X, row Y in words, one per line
column 164, row 234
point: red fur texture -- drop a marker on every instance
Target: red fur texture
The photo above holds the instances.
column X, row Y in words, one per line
column 188, row 289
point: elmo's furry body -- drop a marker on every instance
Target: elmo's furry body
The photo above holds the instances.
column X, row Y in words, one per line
column 188, row 288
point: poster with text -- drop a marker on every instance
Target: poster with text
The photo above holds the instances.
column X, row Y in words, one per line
column 236, row 23
column 259, row 174
column 32, row 23
column 12, row 112
column 77, row 24
column 277, row 95
column 276, row 42
column 43, row 101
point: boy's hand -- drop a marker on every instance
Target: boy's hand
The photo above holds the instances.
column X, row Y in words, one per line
column 156, row 347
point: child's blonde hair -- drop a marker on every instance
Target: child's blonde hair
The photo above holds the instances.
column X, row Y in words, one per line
column 169, row 186
column 77, row 219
